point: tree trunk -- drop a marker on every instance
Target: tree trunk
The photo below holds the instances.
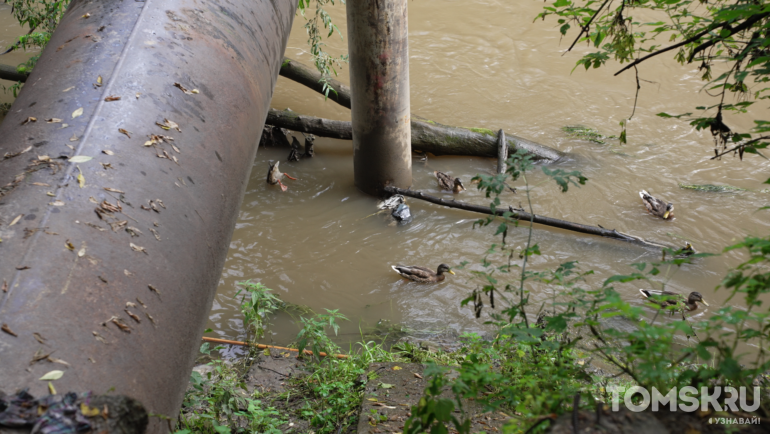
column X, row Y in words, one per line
column 519, row 214
column 427, row 135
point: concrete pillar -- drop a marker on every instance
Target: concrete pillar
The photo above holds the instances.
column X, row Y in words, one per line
column 379, row 79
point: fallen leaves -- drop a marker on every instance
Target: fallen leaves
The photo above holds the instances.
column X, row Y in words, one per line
column 16, row 154
column 123, row 131
column 118, row 322
column 55, row 360
column 77, row 113
column 114, row 190
column 52, row 375
column 136, row 248
column 168, row 125
column 107, row 152
column 81, row 178
column 183, row 89
column 89, row 411
column 74, row 138
column 87, row 15
column 99, row 337
column 39, row 338
column 23, row 267
column 132, row 315
column 80, row 159
column 153, row 289
column 68, row 89
column 8, row 330
column 28, row 120
column 56, row 203
column 157, row 139
column 16, row 220
column 5, row 286
column 112, row 98
column 54, row 120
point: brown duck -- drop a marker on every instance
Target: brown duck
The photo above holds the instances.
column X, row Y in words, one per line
column 669, row 298
column 656, row 206
column 274, row 176
column 447, row 183
column 422, row 274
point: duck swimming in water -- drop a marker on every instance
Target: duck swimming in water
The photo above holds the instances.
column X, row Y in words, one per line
column 422, row 274
column 274, row 176
column 656, row 206
column 447, row 183
column 673, row 299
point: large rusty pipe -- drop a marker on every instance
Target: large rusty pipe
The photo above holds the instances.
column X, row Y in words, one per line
column 378, row 45
column 113, row 240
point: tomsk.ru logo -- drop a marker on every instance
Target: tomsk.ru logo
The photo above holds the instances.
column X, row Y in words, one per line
column 685, row 399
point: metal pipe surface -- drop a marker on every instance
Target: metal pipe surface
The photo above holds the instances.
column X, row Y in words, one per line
column 114, row 238
column 378, row 46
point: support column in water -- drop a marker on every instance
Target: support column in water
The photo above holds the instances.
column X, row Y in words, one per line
column 379, row 79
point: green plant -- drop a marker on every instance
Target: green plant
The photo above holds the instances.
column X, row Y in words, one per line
column 324, row 62
column 257, row 304
column 711, row 34
column 41, row 17
column 535, row 369
column 313, row 333
column 220, row 400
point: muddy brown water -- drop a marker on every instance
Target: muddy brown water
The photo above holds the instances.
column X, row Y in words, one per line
column 486, row 64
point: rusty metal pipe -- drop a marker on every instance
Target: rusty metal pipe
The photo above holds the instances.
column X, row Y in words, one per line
column 113, row 240
column 378, row 45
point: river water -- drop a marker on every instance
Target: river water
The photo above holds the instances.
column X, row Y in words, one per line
column 486, row 64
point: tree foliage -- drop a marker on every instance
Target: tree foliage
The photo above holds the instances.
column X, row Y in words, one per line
column 728, row 40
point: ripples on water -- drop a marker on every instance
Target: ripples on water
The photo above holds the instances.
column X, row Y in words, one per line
column 486, row 64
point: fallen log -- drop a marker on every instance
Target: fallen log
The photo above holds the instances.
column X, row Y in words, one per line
column 427, row 135
column 8, row 72
column 520, row 214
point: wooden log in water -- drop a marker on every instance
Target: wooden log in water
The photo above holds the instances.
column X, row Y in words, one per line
column 520, row 214
column 8, row 72
column 427, row 135
column 502, row 152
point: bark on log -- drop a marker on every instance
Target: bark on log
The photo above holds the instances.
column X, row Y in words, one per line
column 502, row 152
column 311, row 78
column 519, row 214
column 427, row 135
column 8, row 72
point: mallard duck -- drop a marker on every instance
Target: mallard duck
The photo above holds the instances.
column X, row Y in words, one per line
column 422, row 274
column 687, row 250
column 274, row 175
column 674, row 299
column 447, row 183
column 656, row 206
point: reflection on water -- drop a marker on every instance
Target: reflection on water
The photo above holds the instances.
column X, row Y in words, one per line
column 486, row 64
